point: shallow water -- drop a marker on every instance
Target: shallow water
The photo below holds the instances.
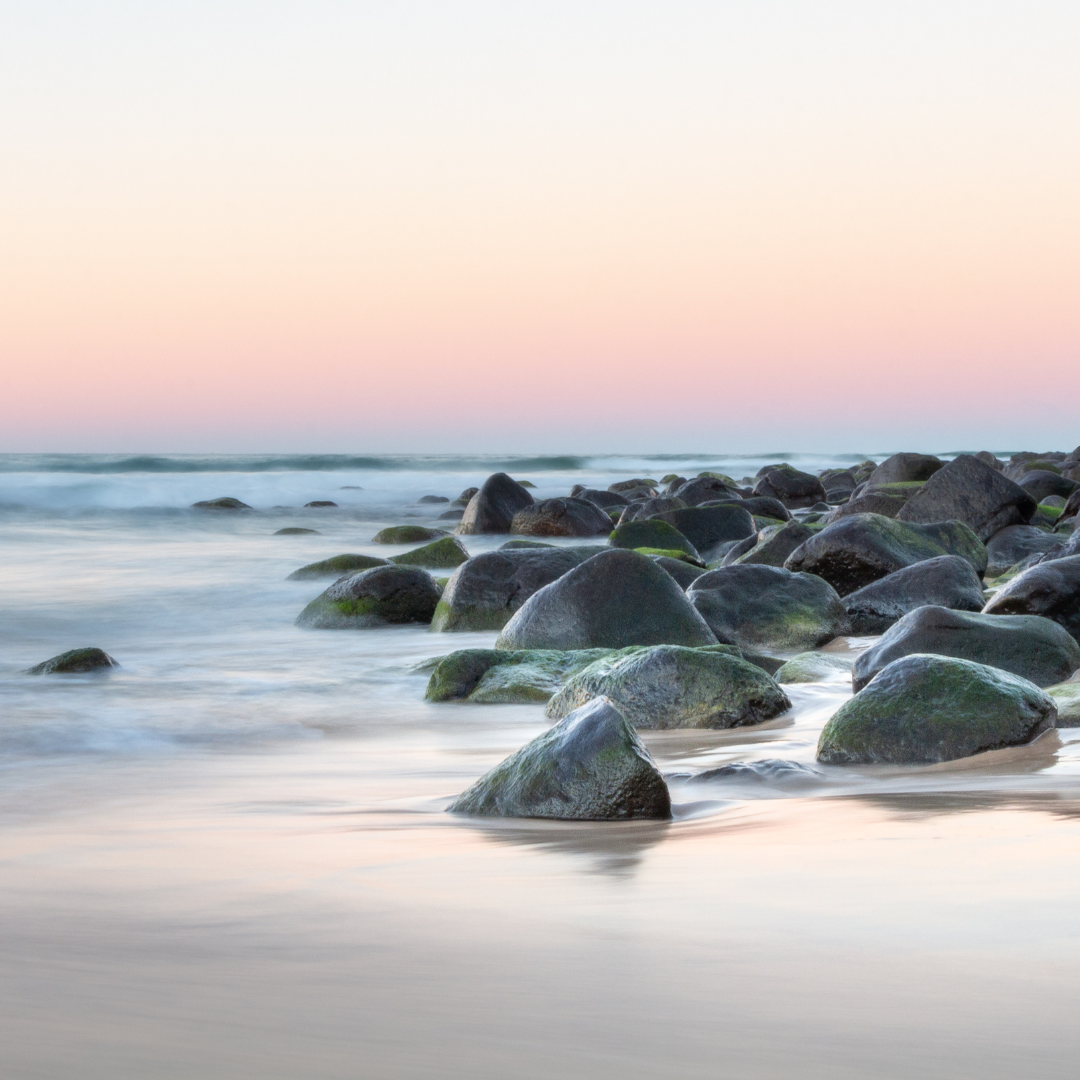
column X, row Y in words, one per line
column 229, row 858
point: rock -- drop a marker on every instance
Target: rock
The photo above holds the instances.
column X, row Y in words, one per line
column 433, row 499
column 767, row 770
column 451, row 515
column 630, row 488
column 1039, row 483
column 375, row 597
column 1072, row 505
column 1015, row 543
column 293, row 531
column 903, row 468
column 651, row 533
column 484, row 592
column 775, row 544
column 318, row 503
column 989, row 459
column 442, row 554
column 466, row 495
column 922, row 709
column 1050, row 589
column 706, row 527
column 407, row 534
column 870, row 502
column 812, row 667
column 562, row 517
column 758, row 506
column 767, row 606
column 1067, row 699
column 668, row 686
column 591, row 766
column 603, row 499
column 638, row 510
column 75, row 662
column 226, row 503
column 970, row 491
column 336, row 567
column 948, row 581
column 1030, row 646
column 705, row 489
column 684, row 573
column 734, row 552
column 793, row 488
column 855, row 551
column 492, row 508
column 615, row 599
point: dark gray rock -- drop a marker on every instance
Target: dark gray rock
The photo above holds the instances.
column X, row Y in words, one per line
column 870, row 502
column 765, row 771
column 903, row 468
column 947, row 581
column 451, row 515
column 1030, row 646
column 705, row 489
column 922, row 709
column 562, row 517
column 466, row 495
column 813, row 667
column 707, row 526
column 1039, row 483
column 735, row 551
column 319, row 504
column 433, row 499
column 75, row 662
column 632, row 489
column 384, row 594
column 603, row 499
column 759, row 506
column 684, row 573
column 615, row 599
column 970, row 491
column 492, row 508
column 591, row 766
column 768, row 606
column 408, row 534
column 294, row 530
column 442, row 554
column 1050, row 589
column 226, row 503
column 336, row 567
column 793, row 488
column 775, row 544
column 1072, row 506
column 654, row 534
column 638, row 510
column 1015, row 543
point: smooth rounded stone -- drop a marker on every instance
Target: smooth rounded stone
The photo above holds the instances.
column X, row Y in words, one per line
column 227, row 503
column 492, row 508
column 735, row 551
column 483, row 593
column 672, row 687
column 625, row 487
column 1030, row 646
column 855, row 551
column 1050, row 589
column 903, row 468
column 75, row 662
column 948, row 581
column 705, row 489
column 870, row 502
column 466, row 495
column 684, row 573
column 375, row 597
column 1067, row 699
column 793, row 488
column 591, row 766
column 768, row 606
column 706, row 527
column 923, row 709
column 615, row 599
column 970, row 491
column 838, row 480
column 651, row 533
column 758, row 506
column 1072, row 505
column 442, row 554
column 562, row 517
column 1057, row 502
column 764, row 771
column 775, row 544
column 672, row 482
column 813, row 667
column 433, row 499
column 603, row 499
column 1015, row 543
column 338, row 566
column 408, row 534
column 522, row 545
column 451, row 515
column 295, row 531
column 319, row 504
column 1040, row 483
column 661, row 505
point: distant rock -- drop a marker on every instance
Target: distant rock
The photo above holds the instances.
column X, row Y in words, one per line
column 903, row 468
column 1050, row 589
column 443, row 554
column 705, row 489
column 226, row 503
column 562, row 517
column 384, row 594
column 336, row 567
column 869, row 501
column 433, row 499
column 492, row 508
column 765, row 771
column 75, row 662
column 407, row 534
column 294, row 531
column 603, row 499
column 451, row 515
column 648, row 507
column 319, row 503
column 684, row 573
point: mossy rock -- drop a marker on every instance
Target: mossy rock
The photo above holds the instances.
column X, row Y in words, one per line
column 1040, row 466
column 722, row 477
column 294, row 531
column 407, row 534
column 1045, row 517
column 446, row 553
column 376, row 597
column 335, row 567
column 670, row 476
column 525, row 483
column 656, row 536
column 813, row 667
column 75, row 662
column 670, row 553
column 1067, row 699
column 896, row 487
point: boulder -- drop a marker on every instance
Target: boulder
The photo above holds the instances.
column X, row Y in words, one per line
column 375, row 597
column 768, row 606
column 638, row 510
column 492, row 508
column 1050, row 589
column 1072, row 506
column 451, row 515
column 1014, row 544
column 970, row 491
column 855, row 551
column 484, row 592
column 813, row 667
column 764, row 771
column 870, row 502
column 948, row 581
column 758, row 506
column 775, row 544
column 432, row 499
column 336, row 567
column 651, row 533
column 603, row 499
column 705, row 489
column 903, row 468
column 227, row 503
column 734, row 552
column 407, row 534
column 615, row 599
column 708, row 526
column 685, row 573
column 75, row 662
column 1067, row 699
column 442, row 554
column 793, row 488
column 989, row 459
column 1039, row 483
column 1030, row 646
column 591, row 766
column 668, row 686
column 922, row 709
column 466, row 495
column 561, row 517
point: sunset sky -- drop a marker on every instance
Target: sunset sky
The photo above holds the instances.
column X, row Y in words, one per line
column 581, row 226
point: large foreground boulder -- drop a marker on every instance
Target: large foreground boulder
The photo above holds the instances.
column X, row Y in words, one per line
column 615, row 599
column 1030, row 646
column 947, row 581
column 923, row 709
column 793, row 488
column 492, row 508
column 384, row 594
column 768, row 606
column 1050, row 589
column 567, row 516
column 708, row 526
column 855, row 551
column 668, row 686
column 75, row 662
column 591, row 766
column 1016, row 543
column 969, row 490
column 337, row 567
column 486, row 590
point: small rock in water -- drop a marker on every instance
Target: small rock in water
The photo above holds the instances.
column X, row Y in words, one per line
column 384, row 594
column 1067, row 699
column 433, row 499
column 651, row 534
column 591, row 766
column 407, row 534
column 766, row 771
column 227, row 503
column 319, row 503
column 441, row 554
column 336, row 567
column 492, row 508
column 811, row 667
column 295, row 531
column 561, row 517
column 75, row 662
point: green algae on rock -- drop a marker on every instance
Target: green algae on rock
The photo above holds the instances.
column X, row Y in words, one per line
column 445, row 553
column 1067, row 699
column 375, row 597
column 75, row 662
column 812, row 667
column 656, row 536
column 336, row 567
column 407, row 534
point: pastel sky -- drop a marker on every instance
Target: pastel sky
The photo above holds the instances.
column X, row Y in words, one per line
column 559, row 226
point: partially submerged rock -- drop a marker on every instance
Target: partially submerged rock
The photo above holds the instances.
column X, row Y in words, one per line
column 226, row 503
column 75, row 662
column 336, row 567
column 651, row 533
column 562, row 517
column 1050, row 589
column 922, row 709
column 384, row 594
column 591, row 766
column 1067, row 699
column 812, row 667
column 492, row 508
column 408, row 534
column 441, row 554
column 708, row 526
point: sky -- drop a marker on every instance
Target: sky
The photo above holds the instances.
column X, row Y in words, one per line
column 539, row 227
